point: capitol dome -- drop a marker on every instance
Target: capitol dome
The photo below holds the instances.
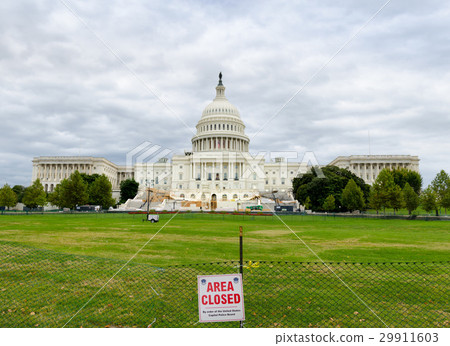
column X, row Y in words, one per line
column 220, row 105
column 220, row 127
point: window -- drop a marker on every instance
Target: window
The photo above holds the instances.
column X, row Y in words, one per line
column 282, row 181
column 181, row 186
column 156, row 180
column 198, row 186
column 214, row 126
column 165, row 181
column 209, row 176
column 192, row 196
column 219, row 126
column 224, row 197
column 182, row 195
column 245, row 196
column 225, row 176
column 203, row 197
column 217, row 176
column 181, row 167
column 228, row 127
column 235, row 196
column 181, row 176
column 254, row 176
column 274, row 181
column 267, row 182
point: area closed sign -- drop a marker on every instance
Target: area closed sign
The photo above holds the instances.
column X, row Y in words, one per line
column 220, row 298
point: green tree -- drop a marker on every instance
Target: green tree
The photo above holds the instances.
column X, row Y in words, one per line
column 100, row 192
column 396, row 198
column 441, row 186
column 428, row 199
column 386, row 194
column 375, row 199
column 8, row 197
column 445, row 199
column 73, row 191
column 328, row 204
column 19, row 190
column 352, row 196
column 404, row 175
column 128, row 190
column 34, row 195
column 89, row 178
column 318, row 188
column 54, row 198
column 307, row 203
column 410, row 198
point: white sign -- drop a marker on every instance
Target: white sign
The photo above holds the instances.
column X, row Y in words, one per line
column 220, row 298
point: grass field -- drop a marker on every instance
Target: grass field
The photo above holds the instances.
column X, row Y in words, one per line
column 50, row 265
column 199, row 238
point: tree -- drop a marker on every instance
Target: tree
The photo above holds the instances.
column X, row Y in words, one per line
column 307, row 203
column 34, row 195
column 89, row 178
column 319, row 188
column 396, row 198
column 428, row 199
column 54, row 198
column 410, row 198
column 352, row 196
column 19, row 190
column 100, row 192
column 329, row 205
column 375, row 199
column 128, row 190
column 73, row 191
column 404, row 175
column 385, row 193
column 8, row 198
column 441, row 186
column 445, row 199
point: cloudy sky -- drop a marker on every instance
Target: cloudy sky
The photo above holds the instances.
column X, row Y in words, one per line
column 98, row 78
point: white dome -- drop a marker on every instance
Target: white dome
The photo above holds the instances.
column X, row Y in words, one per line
column 220, row 127
column 220, row 107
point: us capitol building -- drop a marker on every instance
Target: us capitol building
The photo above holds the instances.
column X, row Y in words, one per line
column 219, row 172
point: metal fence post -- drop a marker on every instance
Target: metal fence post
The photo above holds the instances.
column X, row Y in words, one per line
column 241, row 263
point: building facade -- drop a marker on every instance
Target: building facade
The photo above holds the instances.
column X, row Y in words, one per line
column 218, row 172
column 368, row 167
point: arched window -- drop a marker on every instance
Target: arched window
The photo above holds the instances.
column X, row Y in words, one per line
column 182, row 195
column 224, row 197
column 192, row 196
column 235, row 196
column 245, row 196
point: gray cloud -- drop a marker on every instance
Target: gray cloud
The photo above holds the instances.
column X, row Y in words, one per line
column 63, row 93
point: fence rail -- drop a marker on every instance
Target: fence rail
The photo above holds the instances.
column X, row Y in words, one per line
column 41, row 288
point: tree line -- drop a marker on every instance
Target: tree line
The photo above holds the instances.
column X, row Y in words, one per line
column 78, row 189
column 341, row 190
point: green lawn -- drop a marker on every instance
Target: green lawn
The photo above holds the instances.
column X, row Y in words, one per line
column 195, row 238
column 51, row 265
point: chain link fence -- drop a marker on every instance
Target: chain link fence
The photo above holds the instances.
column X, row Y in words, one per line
column 41, row 288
